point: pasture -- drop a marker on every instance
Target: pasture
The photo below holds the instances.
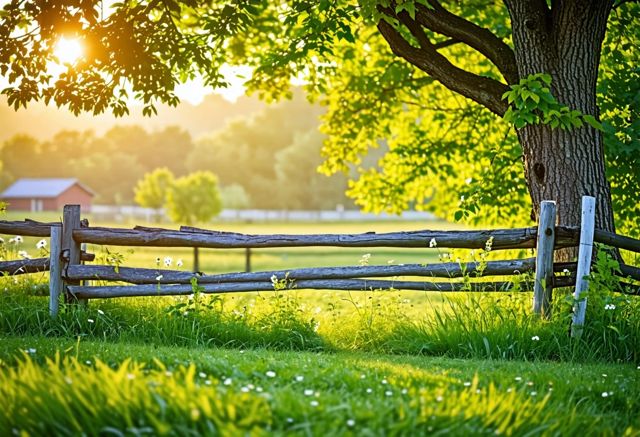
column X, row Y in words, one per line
column 380, row 362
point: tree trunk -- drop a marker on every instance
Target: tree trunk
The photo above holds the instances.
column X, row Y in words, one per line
column 563, row 165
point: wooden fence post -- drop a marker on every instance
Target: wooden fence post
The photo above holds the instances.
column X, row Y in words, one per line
column 55, row 270
column 543, row 285
column 247, row 259
column 71, row 221
column 585, row 252
column 196, row 259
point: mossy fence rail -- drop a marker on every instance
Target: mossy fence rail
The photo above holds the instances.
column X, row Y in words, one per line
column 71, row 278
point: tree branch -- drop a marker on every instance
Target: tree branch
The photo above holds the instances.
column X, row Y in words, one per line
column 488, row 92
column 441, row 21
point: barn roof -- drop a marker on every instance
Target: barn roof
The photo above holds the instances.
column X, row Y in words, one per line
column 47, row 187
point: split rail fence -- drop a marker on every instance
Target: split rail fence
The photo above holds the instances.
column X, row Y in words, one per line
column 71, row 278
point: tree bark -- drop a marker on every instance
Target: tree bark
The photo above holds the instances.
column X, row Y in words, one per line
column 563, row 165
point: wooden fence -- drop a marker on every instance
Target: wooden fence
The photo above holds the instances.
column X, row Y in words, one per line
column 70, row 277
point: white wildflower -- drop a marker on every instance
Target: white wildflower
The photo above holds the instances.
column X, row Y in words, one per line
column 159, row 277
column 388, row 393
column 227, row 381
column 308, row 392
column 314, row 403
column 17, row 239
column 300, row 378
column 274, row 279
column 270, row 374
column 101, row 312
column 605, row 394
column 351, row 422
column 90, row 320
column 41, row 244
column 167, row 261
column 610, row 306
column 535, row 338
column 433, row 243
column 24, row 255
column 179, row 263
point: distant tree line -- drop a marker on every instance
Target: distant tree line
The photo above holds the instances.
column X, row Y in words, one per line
column 268, row 160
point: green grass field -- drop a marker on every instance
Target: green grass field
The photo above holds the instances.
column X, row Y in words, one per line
column 382, row 362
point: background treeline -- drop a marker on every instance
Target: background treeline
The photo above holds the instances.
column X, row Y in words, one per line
column 264, row 160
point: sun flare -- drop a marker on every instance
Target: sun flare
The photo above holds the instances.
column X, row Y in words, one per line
column 68, row 51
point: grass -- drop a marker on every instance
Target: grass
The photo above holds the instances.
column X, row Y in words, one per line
column 381, row 362
column 85, row 386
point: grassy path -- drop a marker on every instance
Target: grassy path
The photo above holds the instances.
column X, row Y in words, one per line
column 127, row 388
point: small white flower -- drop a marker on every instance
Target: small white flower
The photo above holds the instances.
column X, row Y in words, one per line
column 351, row 422
column 274, row 279
column 202, row 375
column 1, row 240
column 90, row 320
column 270, row 374
column 289, row 419
column 88, row 362
column 535, row 338
column 41, row 244
column 227, row 381
column 609, row 306
column 534, row 393
column 605, row 394
column 467, row 384
column 31, row 350
column 433, row 243
column 101, row 312
column 167, row 261
column 300, row 378
column 404, row 391
column 131, row 376
column 314, row 403
column 159, row 277
column 17, row 239
column 468, row 181
column 384, row 381
column 157, row 260
column 179, row 263
column 308, row 392
column 565, row 270
column 518, row 378
column 388, row 393
column 369, row 390
column 244, row 389
column 439, row 399
column 24, row 255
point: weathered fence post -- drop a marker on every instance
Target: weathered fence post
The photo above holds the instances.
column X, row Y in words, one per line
column 585, row 252
column 543, row 285
column 71, row 221
column 247, row 259
column 55, row 270
column 196, row 259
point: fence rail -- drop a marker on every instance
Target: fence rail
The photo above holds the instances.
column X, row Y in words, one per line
column 72, row 276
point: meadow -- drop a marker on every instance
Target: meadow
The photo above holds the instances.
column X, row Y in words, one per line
column 380, row 362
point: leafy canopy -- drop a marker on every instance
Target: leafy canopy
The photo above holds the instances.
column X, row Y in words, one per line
column 194, row 198
column 440, row 147
column 151, row 191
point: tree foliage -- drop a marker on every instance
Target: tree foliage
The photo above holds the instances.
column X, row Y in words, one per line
column 194, row 198
column 151, row 191
column 446, row 152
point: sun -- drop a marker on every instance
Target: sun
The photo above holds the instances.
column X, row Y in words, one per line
column 68, row 51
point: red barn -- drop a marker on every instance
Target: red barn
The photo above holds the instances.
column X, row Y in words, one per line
column 46, row 195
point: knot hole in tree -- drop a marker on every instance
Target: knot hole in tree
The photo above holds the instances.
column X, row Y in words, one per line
column 530, row 23
column 538, row 171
